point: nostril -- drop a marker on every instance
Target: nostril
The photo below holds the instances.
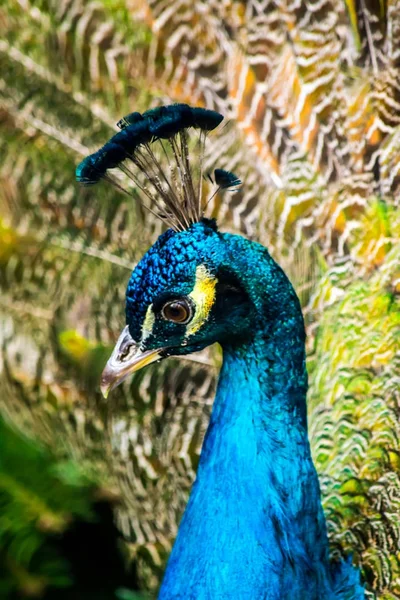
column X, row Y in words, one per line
column 125, row 351
column 125, row 348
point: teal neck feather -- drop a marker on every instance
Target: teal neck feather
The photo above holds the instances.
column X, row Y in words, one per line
column 254, row 526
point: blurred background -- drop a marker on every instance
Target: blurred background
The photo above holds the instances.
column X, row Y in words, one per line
column 91, row 491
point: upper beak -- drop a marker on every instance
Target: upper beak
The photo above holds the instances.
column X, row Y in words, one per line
column 124, row 360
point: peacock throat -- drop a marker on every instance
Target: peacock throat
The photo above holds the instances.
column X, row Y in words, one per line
column 254, row 526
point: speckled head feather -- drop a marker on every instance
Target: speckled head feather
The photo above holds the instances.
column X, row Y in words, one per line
column 169, row 270
column 157, row 144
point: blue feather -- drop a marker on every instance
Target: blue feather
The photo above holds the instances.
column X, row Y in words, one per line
column 254, row 528
column 133, row 135
column 112, row 154
column 166, row 127
column 130, row 119
column 163, row 122
column 226, row 179
column 153, row 114
column 90, row 170
column 206, row 119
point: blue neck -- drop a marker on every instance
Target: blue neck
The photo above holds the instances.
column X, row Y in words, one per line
column 254, row 526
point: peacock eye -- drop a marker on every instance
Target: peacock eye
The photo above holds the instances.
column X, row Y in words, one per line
column 177, row 311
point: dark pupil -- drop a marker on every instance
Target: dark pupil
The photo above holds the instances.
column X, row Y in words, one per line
column 176, row 312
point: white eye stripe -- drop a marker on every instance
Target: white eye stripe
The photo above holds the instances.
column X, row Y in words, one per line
column 148, row 323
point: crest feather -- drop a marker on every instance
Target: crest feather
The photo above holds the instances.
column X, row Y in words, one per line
column 157, row 144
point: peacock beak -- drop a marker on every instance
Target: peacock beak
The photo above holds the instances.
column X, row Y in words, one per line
column 124, row 360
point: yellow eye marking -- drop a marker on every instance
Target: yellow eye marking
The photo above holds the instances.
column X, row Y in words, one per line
column 203, row 296
column 148, row 323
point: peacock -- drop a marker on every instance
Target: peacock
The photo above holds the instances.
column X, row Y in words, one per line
column 310, row 92
column 254, row 525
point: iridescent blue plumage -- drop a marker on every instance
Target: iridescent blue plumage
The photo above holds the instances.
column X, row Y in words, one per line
column 114, row 152
column 254, row 527
column 226, row 179
column 206, row 119
column 132, row 136
column 167, row 126
column 94, row 167
column 130, row 119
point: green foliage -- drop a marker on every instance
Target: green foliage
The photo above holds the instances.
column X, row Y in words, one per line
column 46, row 508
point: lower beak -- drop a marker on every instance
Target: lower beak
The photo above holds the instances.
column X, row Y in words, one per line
column 125, row 359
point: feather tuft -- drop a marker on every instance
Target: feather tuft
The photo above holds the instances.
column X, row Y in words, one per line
column 130, row 119
column 226, row 179
column 147, row 140
column 206, row 119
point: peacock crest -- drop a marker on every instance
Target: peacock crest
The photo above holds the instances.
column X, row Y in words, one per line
column 172, row 176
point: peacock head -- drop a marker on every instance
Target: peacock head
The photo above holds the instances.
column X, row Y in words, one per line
column 182, row 296
column 187, row 292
